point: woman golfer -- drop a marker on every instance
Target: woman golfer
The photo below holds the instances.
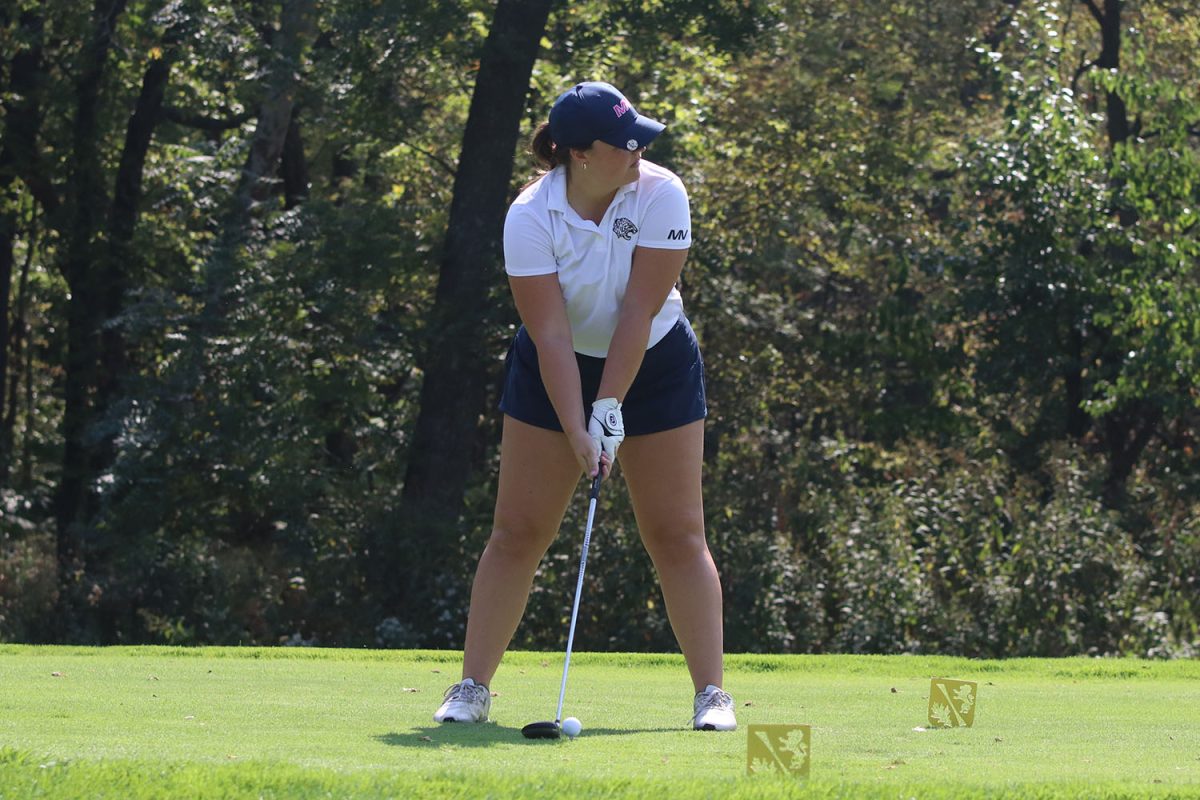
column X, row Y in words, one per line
column 605, row 359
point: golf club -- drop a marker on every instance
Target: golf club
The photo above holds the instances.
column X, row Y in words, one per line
column 553, row 730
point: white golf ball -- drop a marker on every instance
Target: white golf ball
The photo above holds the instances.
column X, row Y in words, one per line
column 571, row 727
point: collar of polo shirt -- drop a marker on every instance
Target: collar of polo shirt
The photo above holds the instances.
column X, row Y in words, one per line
column 557, row 201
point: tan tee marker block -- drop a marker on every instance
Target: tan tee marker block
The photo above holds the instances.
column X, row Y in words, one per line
column 952, row 703
column 780, row 749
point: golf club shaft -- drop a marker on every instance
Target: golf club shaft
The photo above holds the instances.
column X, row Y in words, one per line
column 587, row 538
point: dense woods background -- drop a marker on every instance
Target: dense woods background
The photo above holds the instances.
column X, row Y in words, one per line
column 945, row 279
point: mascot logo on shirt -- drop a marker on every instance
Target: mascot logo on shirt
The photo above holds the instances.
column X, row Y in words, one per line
column 624, row 228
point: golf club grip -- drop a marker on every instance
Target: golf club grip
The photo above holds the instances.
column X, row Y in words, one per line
column 595, row 493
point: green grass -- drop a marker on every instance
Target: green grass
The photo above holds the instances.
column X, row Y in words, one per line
column 285, row 723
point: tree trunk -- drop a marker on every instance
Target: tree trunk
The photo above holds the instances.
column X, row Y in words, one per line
column 293, row 166
column 97, row 270
column 1078, row 421
column 443, row 452
column 114, row 273
column 84, row 316
column 1127, row 432
column 8, row 235
column 21, row 123
column 23, row 368
column 1110, row 59
column 275, row 113
column 288, row 46
column 25, row 479
column 1128, row 429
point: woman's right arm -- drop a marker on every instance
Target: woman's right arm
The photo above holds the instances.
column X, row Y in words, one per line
column 543, row 311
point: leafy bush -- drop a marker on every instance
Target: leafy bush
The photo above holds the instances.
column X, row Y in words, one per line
column 28, row 572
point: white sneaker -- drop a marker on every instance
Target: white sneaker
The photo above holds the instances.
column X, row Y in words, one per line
column 714, row 710
column 465, row 702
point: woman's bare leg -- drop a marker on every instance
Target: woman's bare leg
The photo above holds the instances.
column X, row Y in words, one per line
column 538, row 474
column 662, row 471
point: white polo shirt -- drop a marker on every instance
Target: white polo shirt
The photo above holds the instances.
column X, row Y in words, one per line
column 543, row 234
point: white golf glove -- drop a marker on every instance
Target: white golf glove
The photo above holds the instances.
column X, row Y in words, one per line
column 607, row 426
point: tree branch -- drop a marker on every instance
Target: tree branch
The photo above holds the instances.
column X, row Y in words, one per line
column 1096, row 12
column 434, row 157
column 203, row 123
column 42, row 189
column 1084, row 66
column 999, row 31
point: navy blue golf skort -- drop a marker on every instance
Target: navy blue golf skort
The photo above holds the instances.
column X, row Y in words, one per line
column 667, row 392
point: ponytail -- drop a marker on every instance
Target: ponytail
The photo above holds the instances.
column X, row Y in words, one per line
column 543, row 148
column 547, row 154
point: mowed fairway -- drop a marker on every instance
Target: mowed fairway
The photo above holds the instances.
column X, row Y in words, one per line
column 226, row 722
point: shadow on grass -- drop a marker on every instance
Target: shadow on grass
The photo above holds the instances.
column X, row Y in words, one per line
column 489, row 734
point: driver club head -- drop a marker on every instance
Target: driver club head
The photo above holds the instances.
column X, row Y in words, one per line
column 542, row 730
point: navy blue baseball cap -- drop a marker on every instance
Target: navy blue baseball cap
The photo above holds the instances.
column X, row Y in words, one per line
column 596, row 110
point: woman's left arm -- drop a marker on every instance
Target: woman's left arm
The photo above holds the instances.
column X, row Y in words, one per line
column 652, row 275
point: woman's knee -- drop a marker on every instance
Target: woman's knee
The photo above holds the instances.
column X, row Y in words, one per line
column 519, row 541
column 674, row 542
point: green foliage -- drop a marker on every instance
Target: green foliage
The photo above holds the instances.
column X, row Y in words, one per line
column 289, row 422
column 1041, row 203
column 966, row 559
column 950, row 327
column 1156, row 299
column 28, row 578
column 1075, row 264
